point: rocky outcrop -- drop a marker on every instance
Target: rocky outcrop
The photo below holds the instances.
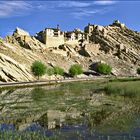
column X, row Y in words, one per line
column 21, row 32
column 114, row 44
column 10, row 70
column 23, row 39
column 65, row 50
column 90, row 50
column 118, row 40
column 30, row 43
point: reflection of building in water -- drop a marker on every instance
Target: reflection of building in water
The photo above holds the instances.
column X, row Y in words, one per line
column 52, row 119
column 56, row 118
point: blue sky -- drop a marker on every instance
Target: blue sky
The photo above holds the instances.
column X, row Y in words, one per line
column 33, row 16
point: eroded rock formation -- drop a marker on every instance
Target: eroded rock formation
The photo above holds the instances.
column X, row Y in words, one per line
column 114, row 44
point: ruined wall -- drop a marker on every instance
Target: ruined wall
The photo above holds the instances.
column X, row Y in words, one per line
column 54, row 41
column 53, row 37
column 88, row 29
column 72, row 42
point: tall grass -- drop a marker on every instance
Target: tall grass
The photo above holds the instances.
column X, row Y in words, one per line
column 126, row 89
column 14, row 135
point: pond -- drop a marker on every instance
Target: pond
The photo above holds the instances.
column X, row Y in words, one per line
column 93, row 110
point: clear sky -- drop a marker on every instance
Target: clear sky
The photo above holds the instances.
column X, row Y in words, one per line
column 34, row 16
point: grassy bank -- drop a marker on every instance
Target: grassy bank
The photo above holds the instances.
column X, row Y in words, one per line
column 126, row 89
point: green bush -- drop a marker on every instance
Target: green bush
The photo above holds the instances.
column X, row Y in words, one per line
column 50, row 71
column 138, row 70
column 104, row 68
column 58, row 71
column 75, row 69
column 38, row 68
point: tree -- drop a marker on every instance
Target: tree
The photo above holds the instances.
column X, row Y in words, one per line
column 75, row 69
column 58, row 71
column 50, row 71
column 104, row 68
column 38, row 68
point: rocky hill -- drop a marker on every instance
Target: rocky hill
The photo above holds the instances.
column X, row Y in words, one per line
column 114, row 44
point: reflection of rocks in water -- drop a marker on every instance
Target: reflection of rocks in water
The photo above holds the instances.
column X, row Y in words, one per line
column 10, row 99
column 24, row 126
column 66, row 105
column 25, row 122
column 96, row 99
column 73, row 113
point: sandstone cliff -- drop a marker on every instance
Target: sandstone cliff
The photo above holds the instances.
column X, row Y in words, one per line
column 114, row 44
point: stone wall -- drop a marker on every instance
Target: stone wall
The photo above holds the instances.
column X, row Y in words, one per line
column 54, row 41
column 72, row 42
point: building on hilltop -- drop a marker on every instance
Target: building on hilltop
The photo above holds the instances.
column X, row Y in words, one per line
column 70, row 36
column 118, row 23
column 88, row 31
column 74, row 37
column 89, row 28
column 52, row 37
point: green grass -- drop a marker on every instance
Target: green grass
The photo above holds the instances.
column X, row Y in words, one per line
column 127, row 89
column 14, row 135
column 124, row 79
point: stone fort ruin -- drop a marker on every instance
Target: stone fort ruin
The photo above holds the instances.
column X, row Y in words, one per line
column 54, row 37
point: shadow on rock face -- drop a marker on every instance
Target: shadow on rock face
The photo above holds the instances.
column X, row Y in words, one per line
column 93, row 66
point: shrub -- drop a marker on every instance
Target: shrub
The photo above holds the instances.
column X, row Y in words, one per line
column 138, row 70
column 75, row 69
column 50, row 71
column 38, row 68
column 104, row 68
column 58, row 71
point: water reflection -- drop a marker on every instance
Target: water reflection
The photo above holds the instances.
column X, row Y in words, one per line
column 74, row 132
column 75, row 110
column 38, row 93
